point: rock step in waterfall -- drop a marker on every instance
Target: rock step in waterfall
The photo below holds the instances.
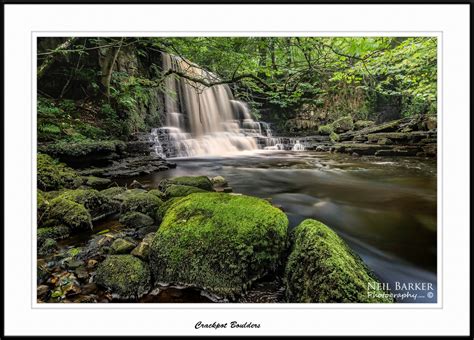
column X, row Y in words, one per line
column 204, row 120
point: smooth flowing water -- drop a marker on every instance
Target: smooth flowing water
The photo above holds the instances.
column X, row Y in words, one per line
column 385, row 209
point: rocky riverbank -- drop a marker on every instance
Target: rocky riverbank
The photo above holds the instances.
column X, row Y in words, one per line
column 135, row 245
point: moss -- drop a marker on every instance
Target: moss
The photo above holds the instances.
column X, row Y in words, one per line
column 161, row 211
column 325, row 129
column 174, row 190
column 113, row 192
column 136, row 220
column 126, row 276
column 121, row 246
column 141, row 202
column 94, row 201
column 97, row 182
column 343, row 124
column 52, row 175
column 201, row 182
column 47, row 247
column 158, row 193
column 82, row 148
column 218, row 241
column 362, row 124
column 334, row 137
column 55, row 233
column 65, row 212
column 322, row 268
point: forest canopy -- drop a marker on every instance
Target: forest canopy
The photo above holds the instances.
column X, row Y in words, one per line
column 110, row 83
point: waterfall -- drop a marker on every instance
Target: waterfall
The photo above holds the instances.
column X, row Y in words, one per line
column 203, row 120
column 298, row 146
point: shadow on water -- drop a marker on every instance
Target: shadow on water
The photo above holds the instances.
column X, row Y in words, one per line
column 385, row 209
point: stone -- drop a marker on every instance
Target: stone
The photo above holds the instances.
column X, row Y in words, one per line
column 219, row 181
column 174, row 190
column 48, row 247
column 121, row 246
column 201, row 182
column 321, row 268
column 219, row 242
column 136, row 220
column 42, row 292
column 97, row 182
column 125, row 276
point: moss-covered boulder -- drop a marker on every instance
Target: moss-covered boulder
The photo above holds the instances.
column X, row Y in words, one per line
column 343, row 124
column 219, row 242
column 114, row 193
column 53, row 175
column 141, row 202
column 126, row 276
column 55, row 233
column 158, row 193
column 135, row 219
column 97, row 182
column 326, row 129
column 62, row 211
column 201, row 182
column 174, row 190
column 362, row 124
column 94, row 201
column 334, row 137
column 161, row 211
column 121, row 246
column 322, row 268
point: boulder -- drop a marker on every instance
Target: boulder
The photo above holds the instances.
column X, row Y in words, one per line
column 218, row 242
column 362, row 124
column 136, row 220
column 142, row 202
column 62, row 211
column 219, row 181
column 143, row 249
column 321, row 268
column 95, row 202
column 97, row 182
column 343, row 124
column 53, row 175
column 47, row 247
column 126, row 276
column 201, row 182
column 121, row 246
column 174, row 190
column 55, row 233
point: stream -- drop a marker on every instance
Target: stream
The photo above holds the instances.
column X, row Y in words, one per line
column 384, row 208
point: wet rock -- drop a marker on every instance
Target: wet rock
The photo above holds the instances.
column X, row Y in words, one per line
column 89, row 288
column 211, row 240
column 362, row 124
column 42, row 271
column 97, row 182
column 42, row 292
column 343, row 124
column 142, row 250
column 160, row 194
column 126, row 276
column 71, row 263
column 81, row 273
column 136, row 220
column 136, row 185
column 121, row 246
column 113, row 193
column 219, row 181
column 321, row 268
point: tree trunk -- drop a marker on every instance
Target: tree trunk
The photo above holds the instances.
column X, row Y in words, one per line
column 51, row 57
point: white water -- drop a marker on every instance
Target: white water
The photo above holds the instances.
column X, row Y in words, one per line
column 204, row 120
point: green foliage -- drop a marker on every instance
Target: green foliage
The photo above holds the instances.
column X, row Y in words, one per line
column 322, row 268
column 218, row 241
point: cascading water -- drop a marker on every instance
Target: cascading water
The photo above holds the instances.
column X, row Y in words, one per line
column 204, row 120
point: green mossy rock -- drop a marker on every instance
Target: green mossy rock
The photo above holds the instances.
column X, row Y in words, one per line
column 201, row 182
column 62, row 211
column 94, row 201
column 121, row 246
column 322, row 268
column 161, row 211
column 141, row 202
column 113, row 193
column 55, row 233
column 135, row 219
column 174, row 190
column 47, row 247
column 97, row 182
column 219, row 242
column 334, row 137
column 343, row 124
column 325, row 129
column 126, row 276
column 158, row 193
column 362, row 124
column 52, row 175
